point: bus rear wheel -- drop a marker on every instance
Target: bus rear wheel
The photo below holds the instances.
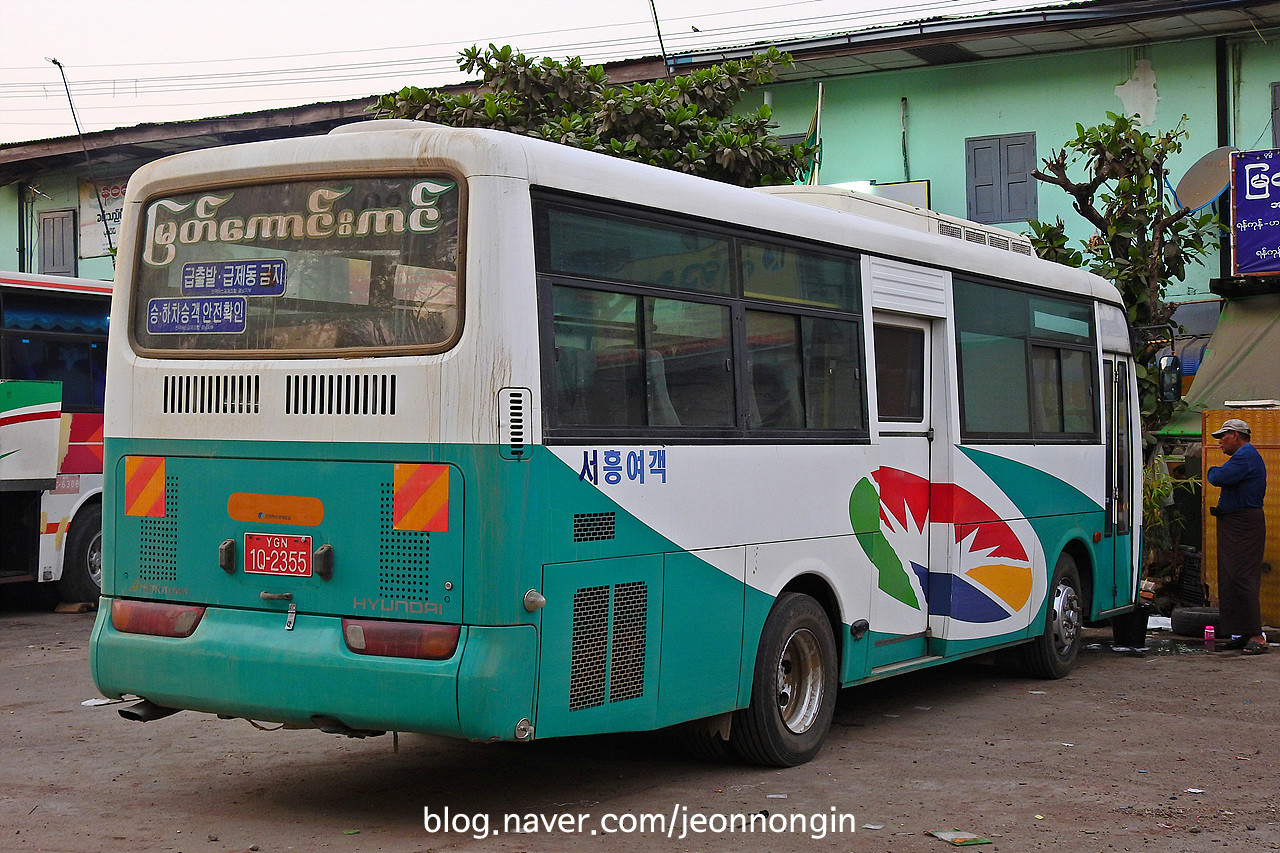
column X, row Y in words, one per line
column 793, row 692
column 82, row 564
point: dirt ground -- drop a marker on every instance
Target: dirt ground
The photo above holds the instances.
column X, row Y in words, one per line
column 1172, row 751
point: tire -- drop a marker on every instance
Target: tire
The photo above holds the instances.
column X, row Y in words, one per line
column 793, row 691
column 1191, row 621
column 82, row 561
column 1053, row 653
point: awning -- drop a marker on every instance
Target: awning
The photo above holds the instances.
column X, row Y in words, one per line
column 1239, row 362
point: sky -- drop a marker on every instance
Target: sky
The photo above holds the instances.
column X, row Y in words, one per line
column 130, row 62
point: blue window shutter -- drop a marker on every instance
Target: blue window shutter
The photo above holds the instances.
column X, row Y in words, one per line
column 982, row 163
column 999, row 185
column 1018, row 155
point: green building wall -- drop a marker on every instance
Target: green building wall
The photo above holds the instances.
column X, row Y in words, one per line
column 50, row 192
column 9, row 228
column 862, row 117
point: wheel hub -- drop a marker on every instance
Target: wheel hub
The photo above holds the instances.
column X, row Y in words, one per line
column 800, row 680
column 94, row 560
column 1066, row 618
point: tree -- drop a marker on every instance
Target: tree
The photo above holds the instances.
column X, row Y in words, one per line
column 1142, row 243
column 684, row 123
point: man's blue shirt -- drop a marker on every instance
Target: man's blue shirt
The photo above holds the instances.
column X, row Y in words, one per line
column 1243, row 480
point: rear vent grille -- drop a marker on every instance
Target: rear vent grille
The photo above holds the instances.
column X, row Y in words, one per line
column 513, row 422
column 950, row 230
column 1023, row 249
column 627, row 639
column 158, row 544
column 211, row 395
column 340, row 394
column 997, row 242
column 975, row 236
column 593, row 526
column 590, row 651
column 404, row 556
column 609, row 644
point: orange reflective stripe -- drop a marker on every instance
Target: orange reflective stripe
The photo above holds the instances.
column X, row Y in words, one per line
column 421, row 498
column 144, row 486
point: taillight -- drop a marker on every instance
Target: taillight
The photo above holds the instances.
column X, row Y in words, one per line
column 401, row 639
column 155, row 618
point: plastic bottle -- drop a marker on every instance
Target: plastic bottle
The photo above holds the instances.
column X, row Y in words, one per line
column 1208, row 638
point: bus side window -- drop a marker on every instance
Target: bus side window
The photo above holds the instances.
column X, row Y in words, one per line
column 833, row 386
column 899, row 373
column 693, row 340
column 773, row 342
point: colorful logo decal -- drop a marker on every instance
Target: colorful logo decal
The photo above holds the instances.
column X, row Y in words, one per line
column 994, row 578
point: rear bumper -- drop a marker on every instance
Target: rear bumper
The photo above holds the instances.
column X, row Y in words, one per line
column 244, row 663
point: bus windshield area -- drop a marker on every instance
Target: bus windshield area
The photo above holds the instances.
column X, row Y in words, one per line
column 339, row 265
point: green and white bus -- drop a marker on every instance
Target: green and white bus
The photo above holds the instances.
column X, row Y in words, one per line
column 414, row 428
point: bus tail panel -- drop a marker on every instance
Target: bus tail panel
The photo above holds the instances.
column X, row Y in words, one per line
column 245, row 663
column 362, row 539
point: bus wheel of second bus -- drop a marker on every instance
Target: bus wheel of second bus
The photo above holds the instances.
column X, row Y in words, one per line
column 82, row 567
column 1053, row 653
column 793, row 692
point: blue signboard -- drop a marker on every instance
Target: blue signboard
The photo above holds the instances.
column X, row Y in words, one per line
column 1255, row 209
column 205, row 315
column 234, row 278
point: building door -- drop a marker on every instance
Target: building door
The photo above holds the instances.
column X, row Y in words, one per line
column 58, row 242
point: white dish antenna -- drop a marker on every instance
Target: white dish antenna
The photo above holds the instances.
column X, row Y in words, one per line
column 1206, row 180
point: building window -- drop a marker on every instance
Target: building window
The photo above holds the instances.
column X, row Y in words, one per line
column 58, row 242
column 999, row 184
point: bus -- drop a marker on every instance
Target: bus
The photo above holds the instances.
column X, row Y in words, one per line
column 53, row 361
column 452, row 431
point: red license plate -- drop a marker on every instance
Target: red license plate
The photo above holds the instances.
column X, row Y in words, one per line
column 277, row 554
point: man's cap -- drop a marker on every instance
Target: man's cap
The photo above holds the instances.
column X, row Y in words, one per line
column 1231, row 425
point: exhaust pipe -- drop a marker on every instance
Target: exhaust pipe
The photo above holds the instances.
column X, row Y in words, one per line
column 146, row 712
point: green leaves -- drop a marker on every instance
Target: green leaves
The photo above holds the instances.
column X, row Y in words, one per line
column 1141, row 242
column 684, row 123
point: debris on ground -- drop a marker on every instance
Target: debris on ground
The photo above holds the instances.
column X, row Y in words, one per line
column 958, row 838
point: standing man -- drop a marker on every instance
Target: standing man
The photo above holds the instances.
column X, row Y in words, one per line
column 1242, row 532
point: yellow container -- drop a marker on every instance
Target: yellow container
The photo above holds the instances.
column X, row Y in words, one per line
column 1264, row 432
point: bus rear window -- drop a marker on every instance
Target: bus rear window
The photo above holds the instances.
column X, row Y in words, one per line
column 308, row 267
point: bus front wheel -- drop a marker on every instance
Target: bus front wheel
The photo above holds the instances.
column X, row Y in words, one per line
column 793, row 692
column 82, row 562
column 1053, row 653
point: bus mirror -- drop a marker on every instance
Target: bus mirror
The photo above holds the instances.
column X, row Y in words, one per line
column 1169, row 368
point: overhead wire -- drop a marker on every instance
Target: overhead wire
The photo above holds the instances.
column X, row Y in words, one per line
column 320, row 77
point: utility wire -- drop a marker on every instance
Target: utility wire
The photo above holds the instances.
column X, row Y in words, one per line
column 106, row 230
column 598, row 48
column 327, row 81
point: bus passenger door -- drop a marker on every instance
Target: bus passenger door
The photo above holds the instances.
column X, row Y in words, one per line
column 899, row 611
column 1113, row 584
